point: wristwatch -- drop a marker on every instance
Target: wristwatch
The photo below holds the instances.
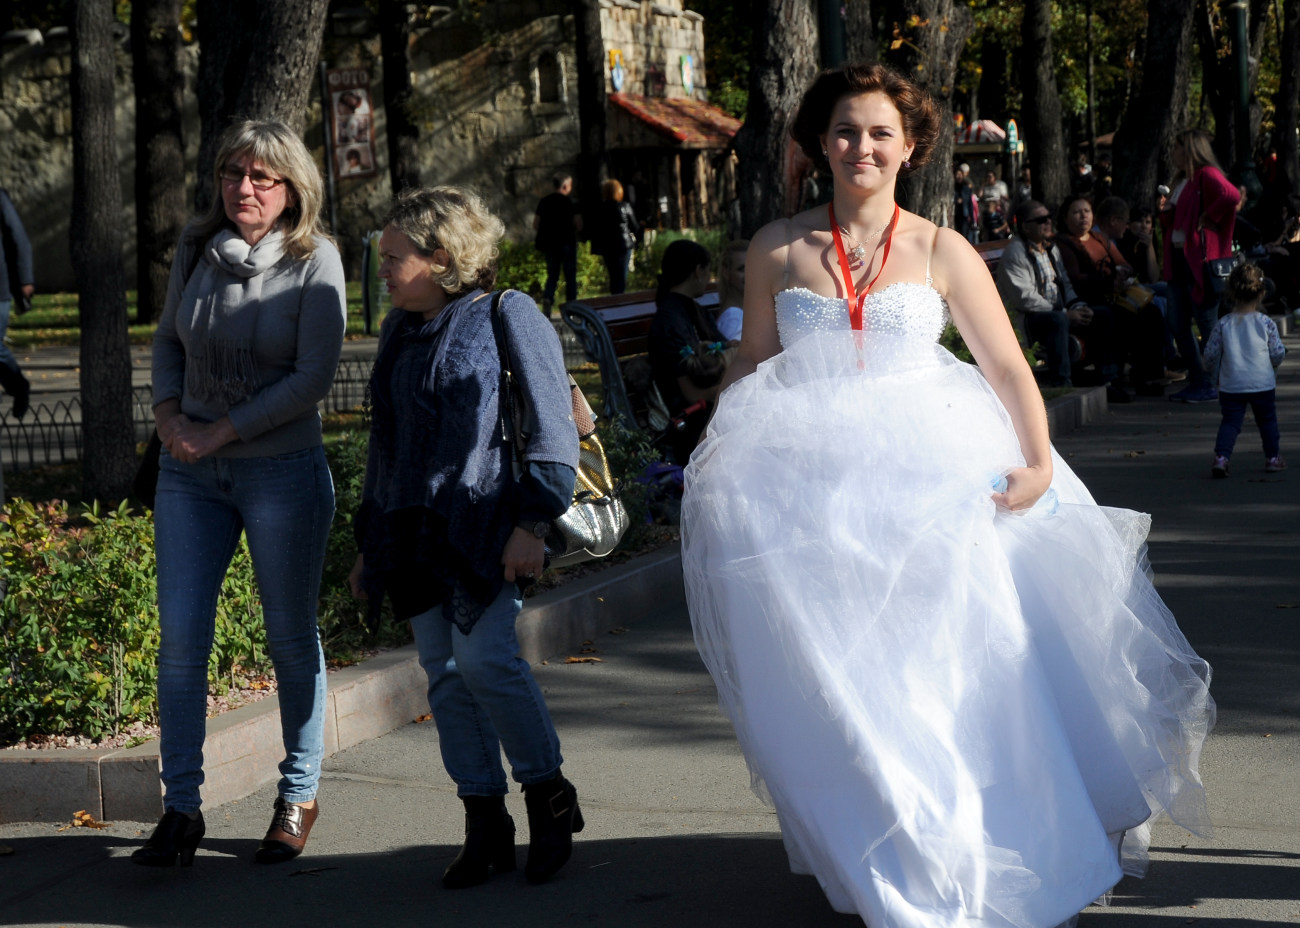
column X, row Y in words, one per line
column 536, row 529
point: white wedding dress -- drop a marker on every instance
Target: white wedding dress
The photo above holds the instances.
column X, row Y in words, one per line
column 963, row 717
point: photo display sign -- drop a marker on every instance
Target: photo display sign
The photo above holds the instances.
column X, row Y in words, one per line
column 352, row 122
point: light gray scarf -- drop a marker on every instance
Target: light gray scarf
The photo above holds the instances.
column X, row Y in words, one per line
column 219, row 369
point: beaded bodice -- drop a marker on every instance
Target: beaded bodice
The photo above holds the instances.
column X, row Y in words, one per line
column 909, row 309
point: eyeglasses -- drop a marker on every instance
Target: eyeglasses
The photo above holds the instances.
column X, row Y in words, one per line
column 1036, row 220
column 234, row 176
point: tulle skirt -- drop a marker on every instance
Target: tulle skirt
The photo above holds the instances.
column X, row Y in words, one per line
column 963, row 717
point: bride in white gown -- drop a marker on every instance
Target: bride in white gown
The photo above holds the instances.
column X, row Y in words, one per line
column 946, row 665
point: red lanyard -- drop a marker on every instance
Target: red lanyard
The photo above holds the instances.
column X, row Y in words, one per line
column 855, row 300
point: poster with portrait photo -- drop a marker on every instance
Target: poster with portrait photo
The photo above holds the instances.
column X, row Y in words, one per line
column 351, row 122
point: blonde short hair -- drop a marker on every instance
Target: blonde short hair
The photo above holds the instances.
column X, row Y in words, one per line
column 457, row 220
column 279, row 149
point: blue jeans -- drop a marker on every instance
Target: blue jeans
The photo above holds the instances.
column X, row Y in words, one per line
column 284, row 504
column 566, row 258
column 6, row 356
column 1183, row 310
column 616, row 264
column 1233, row 405
column 484, row 698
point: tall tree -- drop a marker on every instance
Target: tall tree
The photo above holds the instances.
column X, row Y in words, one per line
column 1144, row 137
column 403, row 133
column 108, row 454
column 928, row 39
column 860, row 31
column 159, row 147
column 256, row 61
column 1287, row 100
column 1041, row 111
column 783, row 63
column 593, row 162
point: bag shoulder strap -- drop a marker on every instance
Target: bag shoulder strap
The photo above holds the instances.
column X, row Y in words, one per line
column 509, row 429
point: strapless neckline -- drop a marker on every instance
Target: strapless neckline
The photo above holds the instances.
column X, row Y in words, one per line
column 903, row 308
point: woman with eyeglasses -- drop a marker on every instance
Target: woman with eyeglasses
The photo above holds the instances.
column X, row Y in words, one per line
column 247, row 345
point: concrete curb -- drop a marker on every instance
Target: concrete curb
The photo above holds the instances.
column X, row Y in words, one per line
column 244, row 746
column 1076, row 409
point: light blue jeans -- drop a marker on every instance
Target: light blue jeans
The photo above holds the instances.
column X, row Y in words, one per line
column 284, row 504
column 484, row 698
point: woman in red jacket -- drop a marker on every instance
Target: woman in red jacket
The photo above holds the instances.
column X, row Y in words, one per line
column 1198, row 220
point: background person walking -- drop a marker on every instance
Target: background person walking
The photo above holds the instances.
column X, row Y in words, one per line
column 16, row 285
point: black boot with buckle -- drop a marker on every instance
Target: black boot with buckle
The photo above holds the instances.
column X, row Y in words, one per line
column 553, row 819
column 489, row 843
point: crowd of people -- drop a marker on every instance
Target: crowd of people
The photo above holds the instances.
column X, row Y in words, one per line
column 1104, row 303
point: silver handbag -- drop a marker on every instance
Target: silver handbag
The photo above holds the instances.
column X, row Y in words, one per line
column 596, row 520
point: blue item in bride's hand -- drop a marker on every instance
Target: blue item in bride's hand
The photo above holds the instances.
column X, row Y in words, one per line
column 1047, row 504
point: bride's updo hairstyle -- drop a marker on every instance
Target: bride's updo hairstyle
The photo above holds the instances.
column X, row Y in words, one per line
column 919, row 112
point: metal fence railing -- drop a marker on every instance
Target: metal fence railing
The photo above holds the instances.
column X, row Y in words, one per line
column 50, row 433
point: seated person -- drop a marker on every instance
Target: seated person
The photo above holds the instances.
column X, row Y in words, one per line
column 1100, row 274
column 1032, row 281
column 994, row 220
column 687, row 352
column 731, row 289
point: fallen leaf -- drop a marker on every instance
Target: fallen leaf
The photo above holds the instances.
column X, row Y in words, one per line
column 83, row 819
column 312, row 870
column 618, row 631
column 1286, row 605
column 1133, row 454
column 583, row 660
column 424, row 718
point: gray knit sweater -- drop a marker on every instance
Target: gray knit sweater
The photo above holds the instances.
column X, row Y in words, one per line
column 253, row 334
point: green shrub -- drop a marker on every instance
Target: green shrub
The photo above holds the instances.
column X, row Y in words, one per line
column 79, row 626
column 522, row 267
column 629, row 451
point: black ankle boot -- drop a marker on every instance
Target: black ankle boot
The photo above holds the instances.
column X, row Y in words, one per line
column 177, row 835
column 553, row 819
column 489, row 843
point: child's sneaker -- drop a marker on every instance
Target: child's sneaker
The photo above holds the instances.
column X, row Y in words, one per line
column 1220, row 466
column 1275, row 464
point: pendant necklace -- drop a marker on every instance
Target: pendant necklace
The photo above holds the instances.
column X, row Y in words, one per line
column 855, row 299
column 859, row 251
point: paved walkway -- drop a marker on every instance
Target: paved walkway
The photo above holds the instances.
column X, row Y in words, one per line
column 674, row 838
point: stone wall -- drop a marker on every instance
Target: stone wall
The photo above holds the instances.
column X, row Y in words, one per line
column 498, row 107
column 652, row 38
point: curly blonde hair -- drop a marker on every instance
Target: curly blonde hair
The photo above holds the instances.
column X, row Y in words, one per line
column 279, row 149
column 457, row 220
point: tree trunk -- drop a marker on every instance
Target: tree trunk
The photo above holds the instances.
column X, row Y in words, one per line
column 1145, row 135
column 783, row 64
column 860, row 32
column 108, row 450
column 1042, row 125
column 929, row 56
column 1218, row 84
column 159, row 148
column 593, row 163
column 403, row 134
column 1287, row 100
column 256, row 61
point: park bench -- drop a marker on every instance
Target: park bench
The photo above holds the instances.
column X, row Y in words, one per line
column 616, row 329
column 613, row 330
